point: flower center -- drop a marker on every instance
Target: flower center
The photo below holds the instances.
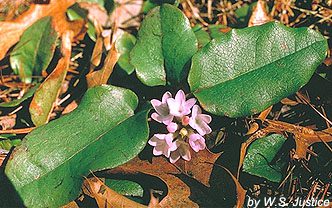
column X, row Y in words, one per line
column 184, row 132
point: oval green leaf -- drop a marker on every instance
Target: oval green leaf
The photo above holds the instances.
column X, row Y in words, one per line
column 47, row 170
column 124, row 44
column 165, row 44
column 259, row 156
column 34, row 52
column 247, row 70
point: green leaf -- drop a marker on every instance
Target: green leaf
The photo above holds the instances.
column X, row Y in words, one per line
column 125, row 187
column 216, row 30
column 148, row 5
column 165, row 44
column 7, row 144
column 47, row 169
column 202, row 36
column 243, row 11
column 124, row 44
column 75, row 12
column 247, row 70
column 26, row 96
column 259, row 156
column 34, row 51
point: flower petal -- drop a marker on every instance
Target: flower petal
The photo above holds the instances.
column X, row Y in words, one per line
column 166, row 96
column 205, row 118
column 175, row 156
column 157, row 151
column 190, row 103
column 172, row 127
column 155, row 103
column 197, row 142
column 180, row 96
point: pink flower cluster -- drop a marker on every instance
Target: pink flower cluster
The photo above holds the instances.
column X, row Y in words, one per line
column 183, row 131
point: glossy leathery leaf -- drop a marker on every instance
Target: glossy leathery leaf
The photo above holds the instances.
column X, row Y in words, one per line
column 124, row 44
column 34, row 51
column 247, row 70
column 47, row 170
column 125, row 187
column 260, row 155
column 165, row 44
column 202, row 36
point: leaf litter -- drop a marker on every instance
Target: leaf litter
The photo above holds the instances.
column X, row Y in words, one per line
column 310, row 136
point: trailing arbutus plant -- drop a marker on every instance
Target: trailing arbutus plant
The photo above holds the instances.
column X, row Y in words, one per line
column 239, row 73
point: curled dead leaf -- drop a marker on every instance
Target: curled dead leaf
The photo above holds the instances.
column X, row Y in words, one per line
column 101, row 77
column 45, row 96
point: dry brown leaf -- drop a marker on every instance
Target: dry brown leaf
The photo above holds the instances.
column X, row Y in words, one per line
column 7, row 122
column 200, row 168
column 262, row 116
column 328, row 61
column 178, row 192
column 11, row 31
column 17, row 131
column 125, row 13
column 106, row 197
column 304, row 138
column 72, row 204
column 45, row 96
column 101, row 77
column 287, row 101
column 70, row 107
column 259, row 15
column 98, row 48
column 96, row 13
column 201, row 161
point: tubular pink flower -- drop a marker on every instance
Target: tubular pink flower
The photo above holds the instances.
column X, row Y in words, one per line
column 172, row 127
column 163, row 144
column 178, row 106
column 181, row 151
column 199, row 121
column 162, row 114
column 197, row 142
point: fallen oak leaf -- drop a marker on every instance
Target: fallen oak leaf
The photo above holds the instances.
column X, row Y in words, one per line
column 11, row 31
column 45, row 96
column 101, row 77
column 178, row 192
column 262, row 116
column 199, row 168
column 304, row 138
column 203, row 160
column 106, row 197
